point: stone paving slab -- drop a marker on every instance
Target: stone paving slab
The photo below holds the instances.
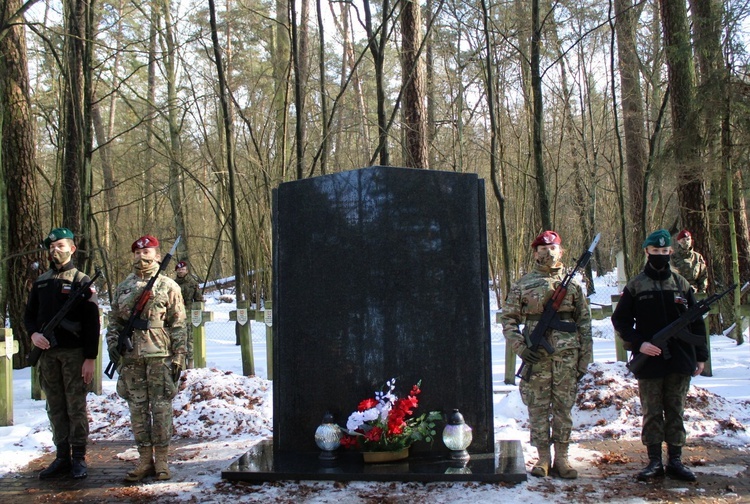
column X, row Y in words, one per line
column 723, row 477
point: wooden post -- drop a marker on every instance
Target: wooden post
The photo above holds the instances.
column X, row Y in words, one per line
column 268, row 317
column 708, row 368
column 510, row 365
column 198, row 319
column 96, row 384
column 8, row 347
column 243, row 329
column 620, row 353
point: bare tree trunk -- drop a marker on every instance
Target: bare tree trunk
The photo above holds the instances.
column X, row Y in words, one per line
column 633, row 126
column 175, row 148
column 239, row 268
column 415, row 120
column 148, row 211
column 687, row 140
column 17, row 154
column 430, row 87
column 73, row 120
column 495, row 166
column 323, row 94
column 538, row 106
column 301, row 61
column 281, row 70
column 376, row 43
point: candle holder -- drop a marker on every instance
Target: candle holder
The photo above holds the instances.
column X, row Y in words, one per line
column 457, row 436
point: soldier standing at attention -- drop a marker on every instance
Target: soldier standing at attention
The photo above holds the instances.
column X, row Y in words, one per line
column 652, row 300
column 190, row 293
column 689, row 263
column 551, row 391
column 67, row 368
column 150, row 372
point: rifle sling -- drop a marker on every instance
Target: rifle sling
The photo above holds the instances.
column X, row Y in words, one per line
column 144, row 325
column 535, row 317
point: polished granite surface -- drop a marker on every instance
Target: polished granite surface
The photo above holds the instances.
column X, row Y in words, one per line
column 260, row 464
column 380, row 273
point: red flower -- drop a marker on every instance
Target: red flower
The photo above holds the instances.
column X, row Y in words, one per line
column 374, row 434
column 367, row 404
column 349, row 442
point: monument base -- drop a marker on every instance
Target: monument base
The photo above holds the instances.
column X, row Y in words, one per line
column 261, row 464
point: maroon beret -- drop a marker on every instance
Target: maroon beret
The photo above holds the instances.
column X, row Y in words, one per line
column 546, row 238
column 683, row 234
column 145, row 241
column 181, row 264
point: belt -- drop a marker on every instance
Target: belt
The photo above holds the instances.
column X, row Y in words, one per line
column 535, row 317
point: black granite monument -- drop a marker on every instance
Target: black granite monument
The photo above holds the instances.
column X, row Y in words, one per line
column 379, row 273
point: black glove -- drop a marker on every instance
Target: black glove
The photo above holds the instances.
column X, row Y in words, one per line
column 114, row 354
column 178, row 364
column 531, row 357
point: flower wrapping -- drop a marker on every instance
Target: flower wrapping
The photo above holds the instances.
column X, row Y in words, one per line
column 385, row 422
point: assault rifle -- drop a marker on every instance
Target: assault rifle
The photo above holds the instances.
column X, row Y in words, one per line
column 550, row 319
column 125, row 340
column 678, row 329
column 59, row 320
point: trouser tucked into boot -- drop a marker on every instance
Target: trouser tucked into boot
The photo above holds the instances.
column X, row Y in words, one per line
column 561, row 466
column 145, row 465
column 654, row 469
column 78, row 468
column 160, row 462
column 541, row 468
column 675, row 468
column 61, row 465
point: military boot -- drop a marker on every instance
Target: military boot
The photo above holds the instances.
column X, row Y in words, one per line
column 541, row 468
column 561, row 466
column 160, row 461
column 675, row 468
column 60, row 466
column 145, row 465
column 79, row 469
column 654, row 469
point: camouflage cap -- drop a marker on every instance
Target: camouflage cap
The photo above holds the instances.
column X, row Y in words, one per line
column 683, row 234
column 546, row 238
column 57, row 234
column 145, row 241
column 659, row 238
column 181, row 264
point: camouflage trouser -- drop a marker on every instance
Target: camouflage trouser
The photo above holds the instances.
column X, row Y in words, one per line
column 663, row 404
column 62, row 383
column 550, row 395
column 147, row 385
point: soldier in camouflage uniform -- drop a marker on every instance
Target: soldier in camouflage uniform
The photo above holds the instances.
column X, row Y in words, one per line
column 652, row 300
column 551, row 391
column 689, row 263
column 190, row 293
column 150, row 372
column 67, row 368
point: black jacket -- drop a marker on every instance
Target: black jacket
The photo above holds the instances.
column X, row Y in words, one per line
column 48, row 295
column 651, row 301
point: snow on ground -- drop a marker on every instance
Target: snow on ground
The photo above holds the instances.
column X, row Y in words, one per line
column 229, row 412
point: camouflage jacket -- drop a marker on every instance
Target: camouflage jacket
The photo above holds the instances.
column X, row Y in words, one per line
column 190, row 290
column 526, row 300
column 165, row 312
column 690, row 264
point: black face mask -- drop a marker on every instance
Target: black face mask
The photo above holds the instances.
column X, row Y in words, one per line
column 658, row 261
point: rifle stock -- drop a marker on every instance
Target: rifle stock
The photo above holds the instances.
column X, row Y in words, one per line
column 550, row 318
column 125, row 337
column 678, row 329
column 59, row 320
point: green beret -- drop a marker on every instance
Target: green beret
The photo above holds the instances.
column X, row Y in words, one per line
column 659, row 238
column 57, row 234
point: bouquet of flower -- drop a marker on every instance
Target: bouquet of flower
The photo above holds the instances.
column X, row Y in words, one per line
column 382, row 423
